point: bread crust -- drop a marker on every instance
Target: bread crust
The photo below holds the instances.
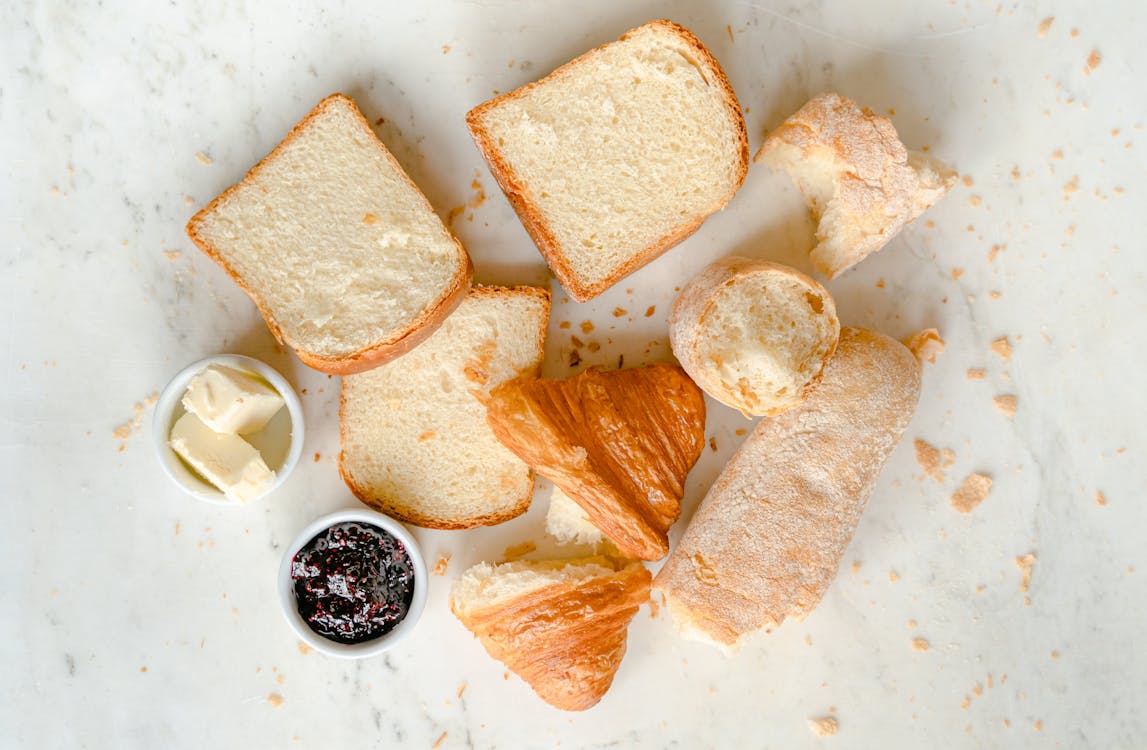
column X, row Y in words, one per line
column 412, row 515
column 766, row 541
column 531, row 216
column 392, row 346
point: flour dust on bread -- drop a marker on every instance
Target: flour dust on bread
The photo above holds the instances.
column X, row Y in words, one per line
column 341, row 252
column 768, row 538
column 754, row 335
column 415, row 441
column 618, row 155
column 559, row 625
column 862, row 185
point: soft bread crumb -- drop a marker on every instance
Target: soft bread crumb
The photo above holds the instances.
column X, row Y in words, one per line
column 1044, row 27
column 920, row 644
column 440, row 566
column 1025, row 564
column 976, row 374
column 973, row 491
column 275, row 700
column 926, row 345
column 932, row 460
column 823, row 727
column 1003, row 348
column 1005, row 405
column 1092, row 63
column 1100, row 498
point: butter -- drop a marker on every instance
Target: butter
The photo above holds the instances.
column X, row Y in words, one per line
column 230, row 401
column 227, row 461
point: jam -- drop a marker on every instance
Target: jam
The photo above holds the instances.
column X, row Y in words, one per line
column 353, row 582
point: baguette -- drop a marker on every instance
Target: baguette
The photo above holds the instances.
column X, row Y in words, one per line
column 768, row 538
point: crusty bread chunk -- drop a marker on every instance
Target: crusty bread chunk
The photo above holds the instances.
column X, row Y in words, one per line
column 768, row 538
column 619, row 443
column 860, row 182
column 618, row 155
column 754, row 335
column 340, row 251
column 559, row 625
column 415, row 442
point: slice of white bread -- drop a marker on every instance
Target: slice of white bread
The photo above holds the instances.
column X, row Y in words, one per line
column 568, row 522
column 559, row 625
column 860, row 182
column 768, row 538
column 617, row 156
column 337, row 247
column 415, row 442
column 754, row 335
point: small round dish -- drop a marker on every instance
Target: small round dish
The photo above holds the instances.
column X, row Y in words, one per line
column 280, row 442
column 383, row 642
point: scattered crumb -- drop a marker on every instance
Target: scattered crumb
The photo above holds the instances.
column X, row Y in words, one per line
column 1092, row 63
column 477, row 194
column 974, row 201
column 304, row 649
column 967, row 180
column 996, row 249
column 619, row 311
column 177, row 528
column 995, row 295
column 729, row 30
column 920, row 644
column 586, row 326
column 808, row 640
column 143, row 669
column 926, row 345
column 280, row 679
column 1074, row 33
column 911, row 624
column 1038, row 726
column 957, row 273
column 275, row 700
column 1044, row 27
column 855, row 567
column 976, row 374
column 1055, row 654
column 713, row 444
column 564, row 325
column 1070, row 187
column 1003, row 348
column 649, row 312
column 1005, row 405
column 1025, row 564
column 172, row 255
column 972, row 491
column 1100, row 498
column 893, row 576
column 123, row 432
column 514, row 551
column 461, row 689
column 1057, row 154
column 577, row 343
column 880, row 283
column 203, row 158
column 440, row 566
column 823, row 727
column 978, row 690
column 438, row 742
column 454, row 213
column 505, row 675
column 738, row 432
column 445, row 49
column 318, row 457
column 932, row 460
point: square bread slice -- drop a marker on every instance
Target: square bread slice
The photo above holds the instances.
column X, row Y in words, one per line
column 617, row 156
column 415, row 441
column 337, row 247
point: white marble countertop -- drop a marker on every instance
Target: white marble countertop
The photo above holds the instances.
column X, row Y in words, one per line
column 137, row 617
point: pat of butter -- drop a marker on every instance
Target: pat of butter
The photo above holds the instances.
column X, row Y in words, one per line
column 227, row 461
column 231, row 401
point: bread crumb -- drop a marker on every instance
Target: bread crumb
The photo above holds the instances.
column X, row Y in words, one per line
column 1074, row 33
column 275, row 700
column 439, row 568
column 1057, row 154
column 976, row 374
column 619, row 311
column 123, row 432
column 304, row 649
column 203, row 158
column 996, row 250
column 650, row 310
column 318, row 456
column 1025, row 564
column 957, row 273
column 438, row 742
column 1070, row 187
column 564, row 325
column 1100, row 498
column 926, row 345
column 461, row 689
column 280, row 679
column 738, row 432
column 1038, row 726
column 855, row 567
column 1003, row 348
column 972, row 491
column 931, row 460
column 505, row 675
column 576, row 342
column 893, row 576
column 729, row 30
column 1055, row 654
column 967, row 180
column 477, row 193
column 995, row 295
column 172, row 255
column 1005, row 405
column 911, row 624
column 514, row 551
column 880, row 283
column 808, row 640
column 1092, row 63
column 920, row 644
column 823, row 727
column 1044, row 27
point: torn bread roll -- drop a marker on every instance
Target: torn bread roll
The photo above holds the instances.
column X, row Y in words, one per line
column 862, row 185
column 568, row 522
column 754, row 335
column 768, row 538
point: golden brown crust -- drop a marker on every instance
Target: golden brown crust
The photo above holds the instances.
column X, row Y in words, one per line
column 565, row 640
column 619, row 443
column 384, row 351
column 411, row 515
column 532, row 218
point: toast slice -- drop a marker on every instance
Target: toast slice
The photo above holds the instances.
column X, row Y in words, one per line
column 415, row 442
column 767, row 540
column 618, row 443
column 561, row 625
column 617, row 156
column 339, row 250
column 860, row 182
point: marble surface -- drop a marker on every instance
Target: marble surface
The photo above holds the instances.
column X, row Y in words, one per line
column 136, row 617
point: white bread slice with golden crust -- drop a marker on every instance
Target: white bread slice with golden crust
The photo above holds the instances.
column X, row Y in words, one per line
column 618, row 155
column 337, row 247
column 754, row 335
column 415, row 441
column 767, row 540
column 860, row 182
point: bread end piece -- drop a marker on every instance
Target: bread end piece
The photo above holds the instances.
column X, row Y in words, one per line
column 862, row 185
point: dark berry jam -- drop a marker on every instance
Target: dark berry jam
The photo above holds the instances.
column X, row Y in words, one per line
column 353, row 582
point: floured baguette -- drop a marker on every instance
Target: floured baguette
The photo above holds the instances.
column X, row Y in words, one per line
column 619, row 443
column 617, row 156
column 860, row 182
column 560, row 626
column 340, row 251
column 415, row 442
column 754, row 335
column 767, row 539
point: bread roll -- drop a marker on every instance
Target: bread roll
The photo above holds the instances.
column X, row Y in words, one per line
column 768, row 538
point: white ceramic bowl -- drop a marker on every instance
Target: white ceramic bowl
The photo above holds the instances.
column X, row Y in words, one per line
column 376, row 645
column 280, row 442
